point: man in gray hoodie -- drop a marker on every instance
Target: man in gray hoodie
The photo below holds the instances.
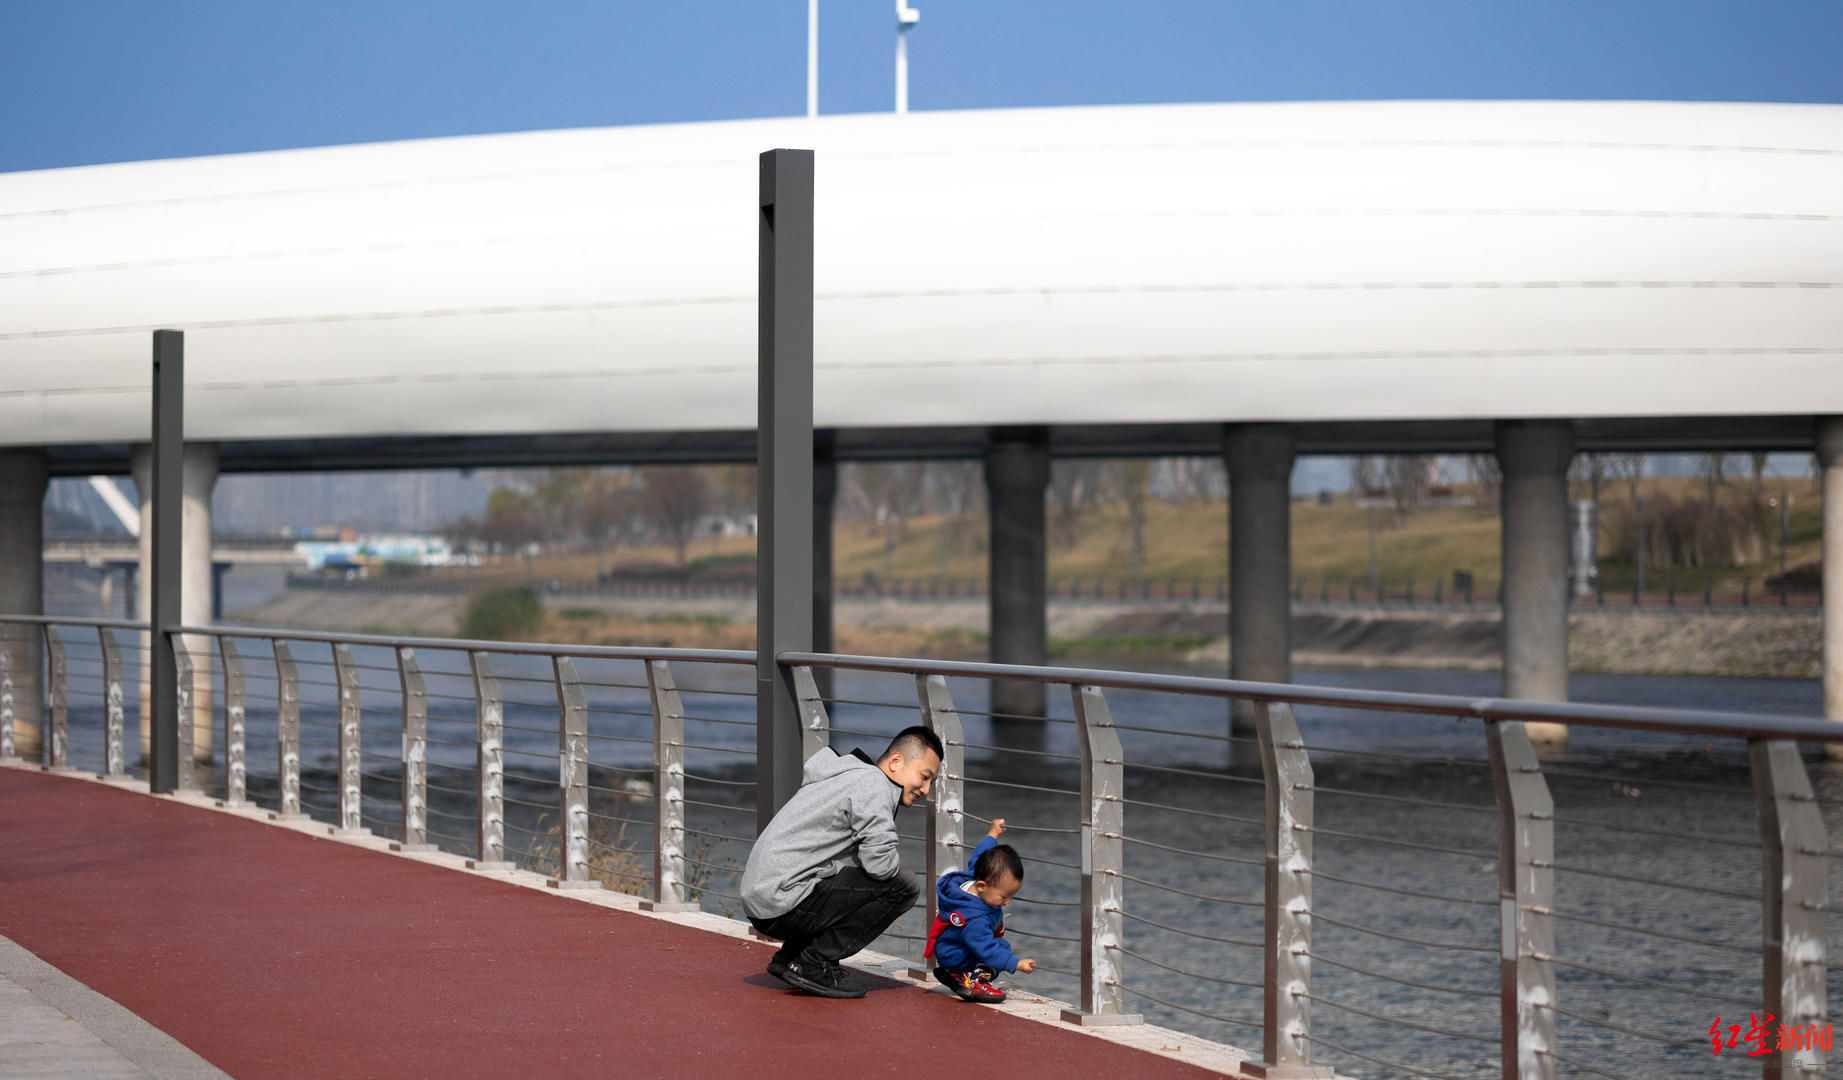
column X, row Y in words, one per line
column 824, row 878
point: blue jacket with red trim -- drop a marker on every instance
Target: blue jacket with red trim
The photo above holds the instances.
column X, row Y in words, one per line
column 968, row 931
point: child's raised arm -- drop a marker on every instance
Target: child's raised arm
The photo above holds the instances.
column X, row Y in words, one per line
column 998, row 828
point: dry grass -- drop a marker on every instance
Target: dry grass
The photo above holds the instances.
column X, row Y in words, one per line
column 1190, row 540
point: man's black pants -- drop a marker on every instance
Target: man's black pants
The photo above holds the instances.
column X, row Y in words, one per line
column 842, row 915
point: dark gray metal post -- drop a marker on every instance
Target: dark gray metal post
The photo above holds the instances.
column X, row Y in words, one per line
column 168, row 456
column 784, row 471
column 1017, row 468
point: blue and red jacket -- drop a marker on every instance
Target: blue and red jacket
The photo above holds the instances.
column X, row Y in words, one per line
column 967, row 931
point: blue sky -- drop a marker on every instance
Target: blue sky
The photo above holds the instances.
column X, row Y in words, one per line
column 88, row 81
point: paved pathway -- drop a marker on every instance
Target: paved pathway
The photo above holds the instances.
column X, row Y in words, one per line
column 271, row 953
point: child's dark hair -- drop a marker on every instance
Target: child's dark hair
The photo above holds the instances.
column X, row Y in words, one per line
column 997, row 862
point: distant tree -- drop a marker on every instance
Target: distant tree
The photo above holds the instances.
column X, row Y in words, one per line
column 605, row 512
column 1758, row 460
column 675, row 499
column 512, row 518
column 462, row 532
column 1073, row 486
column 1135, row 474
column 1408, row 476
column 558, row 499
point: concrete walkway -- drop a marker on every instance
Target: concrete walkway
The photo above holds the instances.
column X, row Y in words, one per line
column 53, row 1027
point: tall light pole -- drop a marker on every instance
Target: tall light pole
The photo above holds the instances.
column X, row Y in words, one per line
column 906, row 17
column 812, row 57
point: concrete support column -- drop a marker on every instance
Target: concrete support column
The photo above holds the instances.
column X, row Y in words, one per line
column 825, row 497
column 1533, row 456
column 1016, row 476
column 199, row 480
column 1260, row 465
column 23, row 480
column 1830, row 459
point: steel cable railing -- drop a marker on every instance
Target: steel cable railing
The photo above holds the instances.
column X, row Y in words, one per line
column 1165, row 883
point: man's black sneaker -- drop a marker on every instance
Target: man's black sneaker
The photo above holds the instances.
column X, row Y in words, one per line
column 827, row 980
column 777, row 964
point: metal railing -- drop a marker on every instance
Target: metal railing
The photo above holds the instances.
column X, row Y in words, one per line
column 1738, row 594
column 1304, row 888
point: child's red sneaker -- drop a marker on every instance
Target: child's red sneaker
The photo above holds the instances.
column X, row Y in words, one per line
column 970, row 986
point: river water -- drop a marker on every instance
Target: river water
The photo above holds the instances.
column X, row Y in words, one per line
column 1408, row 976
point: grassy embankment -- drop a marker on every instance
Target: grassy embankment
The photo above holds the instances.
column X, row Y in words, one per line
column 1182, row 540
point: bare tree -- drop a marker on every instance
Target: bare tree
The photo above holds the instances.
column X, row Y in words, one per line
column 512, row 518
column 1134, row 474
column 1368, row 475
column 1758, row 460
column 606, row 511
column 1712, row 468
column 1408, row 481
column 1488, row 479
column 675, row 500
column 1073, row 485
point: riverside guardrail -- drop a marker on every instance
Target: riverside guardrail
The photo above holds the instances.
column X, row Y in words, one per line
column 1115, row 933
column 1747, row 595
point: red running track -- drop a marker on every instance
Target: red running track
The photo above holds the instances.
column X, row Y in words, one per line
column 275, row 954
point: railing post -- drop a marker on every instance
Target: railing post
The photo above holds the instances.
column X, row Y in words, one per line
column 415, row 784
column 668, row 792
column 9, row 747
column 815, row 726
column 945, row 847
column 489, row 743
column 351, row 794
column 236, row 725
column 114, row 753
column 1526, row 896
column 1793, row 875
column 287, row 735
column 183, row 690
column 1103, row 860
column 1286, row 966
column 57, row 720
column 572, row 780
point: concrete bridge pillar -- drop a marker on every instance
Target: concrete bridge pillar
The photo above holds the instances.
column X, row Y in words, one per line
column 199, row 478
column 825, row 498
column 1830, row 459
column 23, row 481
column 1534, row 455
column 1017, row 476
column 1260, row 465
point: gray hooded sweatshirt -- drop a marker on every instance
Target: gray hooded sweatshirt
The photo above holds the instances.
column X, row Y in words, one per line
column 844, row 812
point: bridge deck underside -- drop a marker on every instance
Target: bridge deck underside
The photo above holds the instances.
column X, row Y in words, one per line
column 273, row 954
column 1432, row 436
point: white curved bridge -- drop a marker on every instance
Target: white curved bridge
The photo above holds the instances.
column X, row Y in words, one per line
column 1385, row 274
